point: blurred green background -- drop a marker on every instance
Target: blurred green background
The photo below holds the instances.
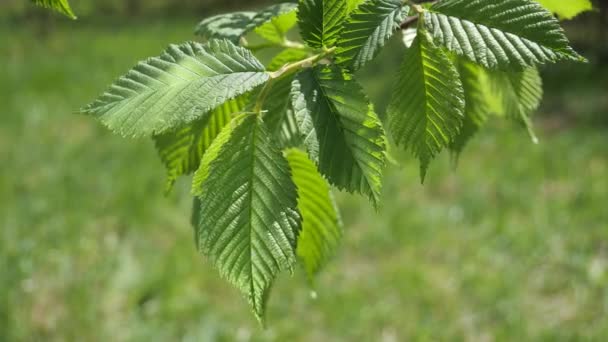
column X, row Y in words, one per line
column 510, row 246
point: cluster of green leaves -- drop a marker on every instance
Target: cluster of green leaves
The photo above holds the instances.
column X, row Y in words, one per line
column 267, row 143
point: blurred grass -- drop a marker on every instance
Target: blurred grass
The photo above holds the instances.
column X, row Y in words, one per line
column 513, row 245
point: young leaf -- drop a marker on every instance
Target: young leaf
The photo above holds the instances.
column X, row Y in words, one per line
column 230, row 26
column 341, row 131
column 499, row 34
column 321, row 224
column 426, row 109
column 233, row 26
column 567, row 9
column 366, row 31
column 320, row 21
column 273, row 23
column 520, row 94
column 249, row 221
column 182, row 85
column 476, row 108
column 61, row 6
column 181, row 151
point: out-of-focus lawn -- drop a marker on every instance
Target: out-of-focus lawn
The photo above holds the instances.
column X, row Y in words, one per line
column 511, row 246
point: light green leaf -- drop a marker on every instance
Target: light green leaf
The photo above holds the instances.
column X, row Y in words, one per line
column 249, row 221
column 181, row 151
column 274, row 23
column 366, row 31
column 321, row 224
column 229, row 26
column 286, row 56
column 233, row 26
column 320, row 21
column 184, row 84
column 476, row 110
column 503, row 34
column 567, row 9
column 520, row 95
column 341, row 131
column 61, row 6
column 426, row 109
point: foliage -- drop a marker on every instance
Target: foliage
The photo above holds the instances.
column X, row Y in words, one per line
column 213, row 107
column 61, row 6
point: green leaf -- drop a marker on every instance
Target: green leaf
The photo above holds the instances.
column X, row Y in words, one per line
column 426, row 109
column 320, row 21
column 520, row 95
column 321, row 224
column 273, row 23
column 341, row 131
column 229, row 26
column 503, row 34
column 366, row 31
column 286, row 56
column 61, row 6
column 276, row 106
column 567, row 9
column 476, row 110
column 181, row 151
column 249, row 221
column 184, row 84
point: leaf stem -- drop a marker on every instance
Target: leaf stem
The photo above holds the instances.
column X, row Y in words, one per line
column 287, row 69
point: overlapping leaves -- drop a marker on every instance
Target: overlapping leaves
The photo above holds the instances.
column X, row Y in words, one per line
column 366, row 31
column 258, row 208
column 341, row 131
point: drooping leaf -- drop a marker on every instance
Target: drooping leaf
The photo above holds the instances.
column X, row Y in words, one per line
column 321, row 224
column 181, row 151
column 520, row 95
column 567, row 9
column 182, row 85
column 275, row 21
column 249, row 221
column 229, row 26
column 507, row 34
column 366, row 31
column 476, row 108
column 426, row 109
column 320, row 21
column 341, row 131
column 61, row 6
